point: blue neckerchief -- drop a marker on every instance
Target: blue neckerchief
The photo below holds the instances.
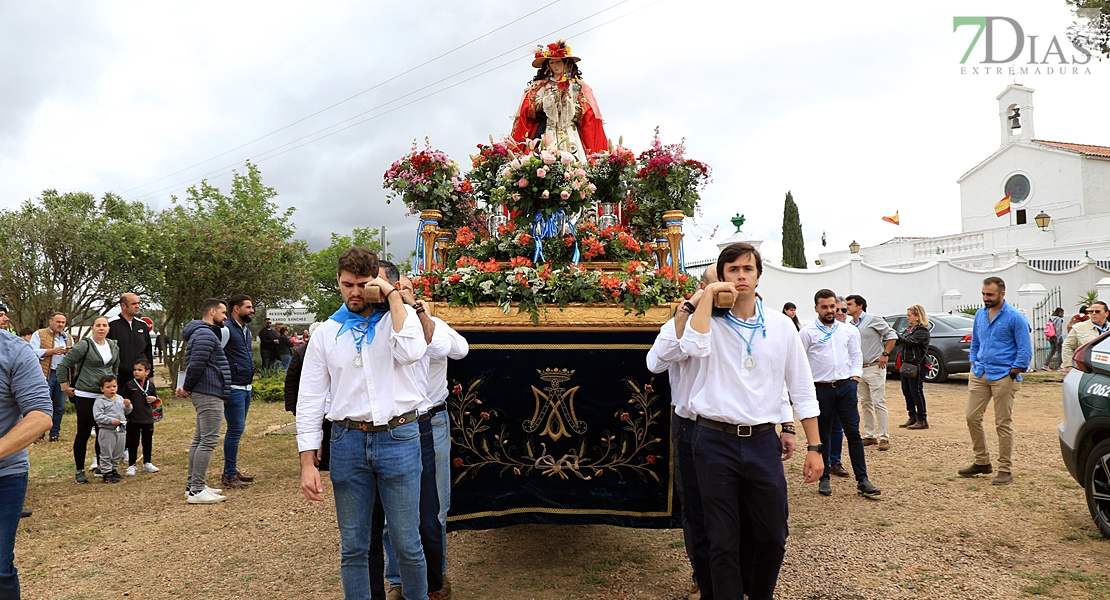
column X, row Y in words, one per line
column 362, row 328
column 825, row 330
column 1100, row 330
column 862, row 316
column 735, row 323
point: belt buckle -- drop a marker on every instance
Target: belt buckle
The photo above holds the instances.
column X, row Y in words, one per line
column 740, row 428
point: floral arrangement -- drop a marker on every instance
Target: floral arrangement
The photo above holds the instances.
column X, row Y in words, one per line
column 615, row 244
column 472, row 282
column 542, row 181
column 665, row 180
column 429, row 180
column 610, row 171
column 487, row 164
column 558, row 49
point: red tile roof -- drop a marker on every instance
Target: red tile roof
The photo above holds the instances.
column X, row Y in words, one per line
column 1087, row 149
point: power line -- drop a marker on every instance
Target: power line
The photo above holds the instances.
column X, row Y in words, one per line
column 348, row 99
column 262, row 156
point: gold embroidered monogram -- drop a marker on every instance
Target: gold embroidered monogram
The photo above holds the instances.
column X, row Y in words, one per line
column 555, row 408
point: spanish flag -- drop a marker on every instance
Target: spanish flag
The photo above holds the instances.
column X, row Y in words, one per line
column 892, row 219
column 1003, row 206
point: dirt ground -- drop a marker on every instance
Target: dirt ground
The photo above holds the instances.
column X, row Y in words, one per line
column 933, row 534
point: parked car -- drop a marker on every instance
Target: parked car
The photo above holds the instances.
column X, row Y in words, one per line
column 949, row 344
column 1085, row 431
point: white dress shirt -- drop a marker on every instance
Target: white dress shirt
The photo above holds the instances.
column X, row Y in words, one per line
column 837, row 358
column 59, row 342
column 728, row 392
column 666, row 354
column 446, row 343
column 384, row 387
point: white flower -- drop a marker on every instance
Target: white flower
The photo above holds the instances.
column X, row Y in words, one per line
column 486, row 287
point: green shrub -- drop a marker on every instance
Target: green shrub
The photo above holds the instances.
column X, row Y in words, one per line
column 269, row 389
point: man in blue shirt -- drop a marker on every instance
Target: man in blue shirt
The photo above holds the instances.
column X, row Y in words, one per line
column 25, row 414
column 1000, row 352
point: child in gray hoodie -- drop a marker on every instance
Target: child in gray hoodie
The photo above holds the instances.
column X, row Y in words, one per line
column 110, row 413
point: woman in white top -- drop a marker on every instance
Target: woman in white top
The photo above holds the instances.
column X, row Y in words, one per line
column 88, row 360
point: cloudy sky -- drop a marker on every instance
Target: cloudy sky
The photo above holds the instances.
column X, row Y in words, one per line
column 858, row 112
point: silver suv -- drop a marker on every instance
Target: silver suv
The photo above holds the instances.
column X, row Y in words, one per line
column 1085, row 432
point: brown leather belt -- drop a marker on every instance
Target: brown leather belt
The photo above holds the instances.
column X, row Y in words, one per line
column 832, row 384
column 874, row 364
column 739, row 430
column 369, row 427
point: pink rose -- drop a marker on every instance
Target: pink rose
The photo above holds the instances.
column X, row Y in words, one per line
column 545, row 194
column 548, row 158
column 515, row 163
column 565, row 195
column 580, row 173
column 516, row 197
column 567, row 157
column 593, row 188
column 541, row 173
column 575, row 185
column 522, row 183
column 506, row 172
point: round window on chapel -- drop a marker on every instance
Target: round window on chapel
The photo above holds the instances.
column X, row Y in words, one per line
column 1018, row 188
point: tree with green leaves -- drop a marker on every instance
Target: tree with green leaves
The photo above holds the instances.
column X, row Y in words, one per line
column 74, row 254
column 324, row 298
column 215, row 246
column 793, row 244
column 1091, row 30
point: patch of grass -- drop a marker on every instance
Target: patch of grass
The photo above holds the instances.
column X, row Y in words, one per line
column 1096, row 586
column 678, row 544
column 596, row 580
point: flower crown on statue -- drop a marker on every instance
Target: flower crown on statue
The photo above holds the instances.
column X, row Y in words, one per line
column 558, row 49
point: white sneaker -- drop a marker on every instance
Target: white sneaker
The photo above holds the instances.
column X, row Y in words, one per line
column 130, row 471
column 205, row 497
column 216, row 491
column 94, row 466
column 149, row 468
column 126, row 456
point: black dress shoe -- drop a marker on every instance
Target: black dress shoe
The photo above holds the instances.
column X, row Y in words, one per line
column 24, row 514
column 838, row 470
column 824, row 488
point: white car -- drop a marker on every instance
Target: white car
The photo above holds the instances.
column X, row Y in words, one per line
column 1085, row 432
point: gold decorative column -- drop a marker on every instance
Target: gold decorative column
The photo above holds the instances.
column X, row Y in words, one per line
column 444, row 237
column 673, row 232
column 661, row 250
column 431, row 220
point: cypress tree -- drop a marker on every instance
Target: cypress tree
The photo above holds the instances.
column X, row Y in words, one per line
column 793, row 245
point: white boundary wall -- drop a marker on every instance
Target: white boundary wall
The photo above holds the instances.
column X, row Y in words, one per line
column 938, row 285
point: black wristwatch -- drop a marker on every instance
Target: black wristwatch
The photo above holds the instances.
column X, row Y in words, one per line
column 886, row 354
column 818, row 448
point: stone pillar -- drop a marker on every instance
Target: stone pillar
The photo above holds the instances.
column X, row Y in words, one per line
column 950, row 300
column 1103, row 287
column 1029, row 296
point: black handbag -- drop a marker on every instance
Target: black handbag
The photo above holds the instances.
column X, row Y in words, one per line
column 909, row 371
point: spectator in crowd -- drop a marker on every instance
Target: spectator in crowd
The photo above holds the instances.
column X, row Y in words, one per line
column 26, row 334
column 51, row 344
column 877, row 341
column 140, row 390
column 25, row 406
column 91, row 359
column 285, row 346
column 915, row 346
column 1000, row 352
column 110, row 411
column 835, row 359
column 131, row 334
column 1078, row 317
column 1056, row 342
column 1085, row 331
column 790, row 310
column 268, row 344
column 241, row 362
column 207, row 385
column 748, row 356
column 365, row 367
column 834, row 440
column 5, row 322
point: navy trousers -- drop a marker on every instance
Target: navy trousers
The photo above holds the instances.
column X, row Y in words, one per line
column 842, row 402
column 743, row 494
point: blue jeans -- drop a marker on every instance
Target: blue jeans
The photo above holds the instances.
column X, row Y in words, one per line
column 914, row 391
column 13, row 490
column 842, row 402
column 235, row 411
column 836, row 440
column 742, row 477
column 59, row 398
column 362, row 464
column 285, row 360
column 441, row 434
column 431, row 532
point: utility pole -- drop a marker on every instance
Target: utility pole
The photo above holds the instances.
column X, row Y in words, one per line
column 382, row 253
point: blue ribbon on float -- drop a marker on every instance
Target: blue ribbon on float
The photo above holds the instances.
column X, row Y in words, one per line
column 681, row 248
column 548, row 228
column 420, row 243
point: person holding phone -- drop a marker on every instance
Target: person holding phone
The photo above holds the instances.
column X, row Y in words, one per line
column 1000, row 352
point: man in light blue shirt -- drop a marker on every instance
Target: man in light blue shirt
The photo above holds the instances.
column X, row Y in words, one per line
column 1000, row 352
